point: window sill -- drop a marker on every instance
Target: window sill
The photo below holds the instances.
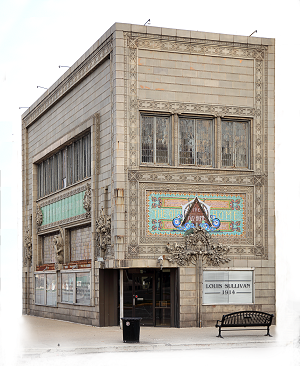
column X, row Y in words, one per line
column 74, row 304
column 63, row 189
column 194, row 167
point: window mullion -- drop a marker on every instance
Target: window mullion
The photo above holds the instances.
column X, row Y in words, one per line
column 234, row 144
column 195, row 143
column 154, row 140
column 74, row 288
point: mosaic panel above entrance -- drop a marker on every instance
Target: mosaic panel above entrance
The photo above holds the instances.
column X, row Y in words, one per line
column 168, row 213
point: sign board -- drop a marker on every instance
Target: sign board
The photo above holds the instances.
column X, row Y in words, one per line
column 227, row 287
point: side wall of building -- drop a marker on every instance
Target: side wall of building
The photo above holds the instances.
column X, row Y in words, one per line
column 85, row 108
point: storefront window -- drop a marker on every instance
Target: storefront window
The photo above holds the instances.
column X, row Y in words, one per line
column 78, row 294
column 46, row 289
column 83, row 293
column 67, row 287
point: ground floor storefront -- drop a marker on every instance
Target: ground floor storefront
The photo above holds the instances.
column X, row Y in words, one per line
column 188, row 296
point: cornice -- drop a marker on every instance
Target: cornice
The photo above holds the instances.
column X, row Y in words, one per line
column 81, row 72
column 195, row 46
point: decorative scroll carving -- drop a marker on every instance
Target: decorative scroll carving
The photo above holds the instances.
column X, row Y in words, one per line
column 87, row 200
column 103, row 230
column 27, row 247
column 39, row 216
column 59, row 240
column 197, row 244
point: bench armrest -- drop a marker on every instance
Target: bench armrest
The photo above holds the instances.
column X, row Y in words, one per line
column 217, row 324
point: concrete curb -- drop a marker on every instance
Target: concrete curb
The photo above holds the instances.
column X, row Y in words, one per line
column 139, row 347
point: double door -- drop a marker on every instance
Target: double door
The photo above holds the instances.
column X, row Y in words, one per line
column 150, row 295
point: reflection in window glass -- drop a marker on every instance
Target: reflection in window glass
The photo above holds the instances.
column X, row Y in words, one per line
column 40, row 289
column 155, row 138
column 162, row 139
column 83, row 288
column 147, row 140
column 67, row 287
column 51, row 289
column 186, row 141
column 196, row 141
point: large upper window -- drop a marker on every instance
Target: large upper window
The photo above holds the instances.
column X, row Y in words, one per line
column 69, row 165
column 196, row 141
column 235, row 144
column 155, row 138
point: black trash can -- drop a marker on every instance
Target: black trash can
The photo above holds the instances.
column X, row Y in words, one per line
column 131, row 330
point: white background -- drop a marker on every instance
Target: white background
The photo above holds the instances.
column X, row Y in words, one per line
column 38, row 35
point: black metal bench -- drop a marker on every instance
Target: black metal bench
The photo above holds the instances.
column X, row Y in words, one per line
column 245, row 319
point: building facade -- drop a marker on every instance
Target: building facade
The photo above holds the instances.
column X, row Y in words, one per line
column 148, row 181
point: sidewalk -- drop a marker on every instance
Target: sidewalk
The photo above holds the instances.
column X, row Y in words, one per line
column 40, row 335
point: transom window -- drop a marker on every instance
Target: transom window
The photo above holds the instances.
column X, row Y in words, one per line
column 196, row 143
column 155, row 136
column 235, row 144
column 69, row 165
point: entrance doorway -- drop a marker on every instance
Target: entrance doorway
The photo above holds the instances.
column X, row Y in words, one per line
column 150, row 294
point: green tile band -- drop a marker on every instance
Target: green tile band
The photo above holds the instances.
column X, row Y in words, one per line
column 63, row 209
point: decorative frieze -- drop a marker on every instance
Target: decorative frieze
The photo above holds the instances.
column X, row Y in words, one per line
column 197, row 108
column 194, row 46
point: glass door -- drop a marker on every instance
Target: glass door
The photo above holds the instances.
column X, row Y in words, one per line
column 150, row 295
column 138, row 295
column 143, row 298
